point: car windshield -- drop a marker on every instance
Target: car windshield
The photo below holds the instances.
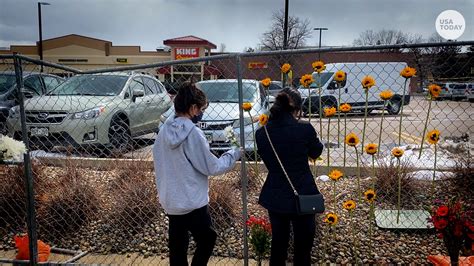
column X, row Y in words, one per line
column 324, row 78
column 228, row 91
column 6, row 82
column 94, row 85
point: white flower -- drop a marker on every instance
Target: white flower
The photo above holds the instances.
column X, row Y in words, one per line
column 230, row 136
column 11, row 149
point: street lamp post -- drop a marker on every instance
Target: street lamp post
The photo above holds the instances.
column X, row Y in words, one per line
column 40, row 44
column 320, row 33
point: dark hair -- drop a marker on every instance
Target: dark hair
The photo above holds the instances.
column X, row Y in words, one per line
column 287, row 101
column 188, row 95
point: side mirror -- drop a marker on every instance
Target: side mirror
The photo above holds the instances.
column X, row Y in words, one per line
column 137, row 93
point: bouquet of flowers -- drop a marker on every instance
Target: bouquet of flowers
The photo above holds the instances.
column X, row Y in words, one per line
column 230, row 136
column 454, row 224
column 260, row 236
column 11, row 149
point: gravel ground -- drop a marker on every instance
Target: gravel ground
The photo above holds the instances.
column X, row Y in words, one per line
column 99, row 236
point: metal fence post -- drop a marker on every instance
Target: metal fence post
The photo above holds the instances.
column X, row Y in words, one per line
column 31, row 215
column 243, row 169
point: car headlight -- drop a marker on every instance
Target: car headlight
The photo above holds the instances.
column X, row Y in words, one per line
column 14, row 112
column 247, row 121
column 89, row 114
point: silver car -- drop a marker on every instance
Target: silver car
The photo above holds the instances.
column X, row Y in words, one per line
column 99, row 110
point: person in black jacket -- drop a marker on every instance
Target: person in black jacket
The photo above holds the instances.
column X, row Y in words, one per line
column 294, row 142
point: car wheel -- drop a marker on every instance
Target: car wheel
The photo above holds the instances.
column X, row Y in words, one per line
column 394, row 106
column 119, row 137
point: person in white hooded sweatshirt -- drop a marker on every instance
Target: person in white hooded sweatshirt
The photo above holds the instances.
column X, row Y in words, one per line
column 183, row 162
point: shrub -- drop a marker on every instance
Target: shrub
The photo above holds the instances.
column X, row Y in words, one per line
column 223, row 203
column 134, row 199
column 386, row 183
column 462, row 181
column 67, row 202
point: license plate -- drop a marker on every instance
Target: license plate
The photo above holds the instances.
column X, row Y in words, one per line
column 39, row 131
column 209, row 138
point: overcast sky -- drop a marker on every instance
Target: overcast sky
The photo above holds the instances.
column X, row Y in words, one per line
column 235, row 23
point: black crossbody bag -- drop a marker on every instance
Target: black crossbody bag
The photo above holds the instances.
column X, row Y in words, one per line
column 305, row 204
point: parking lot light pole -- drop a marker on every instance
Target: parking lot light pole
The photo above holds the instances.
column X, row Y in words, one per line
column 320, row 33
column 40, row 44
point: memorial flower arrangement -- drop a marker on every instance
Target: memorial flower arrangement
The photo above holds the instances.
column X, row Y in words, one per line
column 260, row 236
column 11, row 149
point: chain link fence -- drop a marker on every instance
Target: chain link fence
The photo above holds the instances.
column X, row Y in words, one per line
column 90, row 136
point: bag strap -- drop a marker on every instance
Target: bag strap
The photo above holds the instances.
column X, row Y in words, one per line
column 281, row 164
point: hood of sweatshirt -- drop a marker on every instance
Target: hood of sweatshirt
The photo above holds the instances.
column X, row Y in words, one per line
column 176, row 130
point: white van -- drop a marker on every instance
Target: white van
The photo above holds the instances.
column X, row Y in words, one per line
column 386, row 75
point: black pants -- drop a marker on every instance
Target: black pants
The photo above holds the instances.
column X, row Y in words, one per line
column 199, row 223
column 304, row 229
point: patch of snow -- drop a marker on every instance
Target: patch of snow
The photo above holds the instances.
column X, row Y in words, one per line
column 323, row 178
column 428, row 175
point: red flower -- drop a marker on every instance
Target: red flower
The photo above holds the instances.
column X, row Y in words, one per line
column 440, row 236
column 440, row 224
column 471, row 235
column 442, row 210
column 458, row 229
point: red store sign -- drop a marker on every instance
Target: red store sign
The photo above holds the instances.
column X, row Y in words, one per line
column 186, row 53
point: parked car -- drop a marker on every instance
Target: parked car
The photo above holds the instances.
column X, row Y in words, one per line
column 386, row 74
column 275, row 87
column 94, row 110
column 469, row 92
column 35, row 84
column 458, row 91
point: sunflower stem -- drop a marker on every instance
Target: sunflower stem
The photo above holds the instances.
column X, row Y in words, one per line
column 254, row 147
column 424, row 129
column 358, row 176
column 320, row 106
column 353, row 236
column 329, row 146
column 373, row 172
column 401, row 114
column 365, row 118
column 334, row 195
column 381, row 124
column 338, row 116
column 345, row 131
column 434, row 174
column 399, row 189
column 309, row 106
column 371, row 212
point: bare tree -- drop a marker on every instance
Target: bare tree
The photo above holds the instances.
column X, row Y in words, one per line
column 222, row 48
column 298, row 32
column 382, row 37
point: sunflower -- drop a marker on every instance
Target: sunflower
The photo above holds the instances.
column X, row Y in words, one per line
column 352, row 139
column 368, row 82
column 345, row 108
column 318, row 66
column 328, row 112
column 433, row 136
column 285, row 68
column 397, row 152
column 386, row 95
column 247, row 106
column 371, row 148
column 331, row 218
column 434, row 90
column 263, row 119
column 349, row 205
column 370, row 195
column 408, row 72
column 335, row 174
column 266, row 82
column 340, row 76
column 306, row 80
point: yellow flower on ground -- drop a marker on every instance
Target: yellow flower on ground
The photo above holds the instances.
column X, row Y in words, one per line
column 349, row 205
column 328, row 112
column 306, row 80
column 408, row 72
column 434, row 90
column 340, row 76
column 285, row 68
column 266, row 82
column 370, row 195
column 345, row 108
column 335, row 174
column 247, row 106
column 371, row 148
column 331, row 218
column 368, row 82
column 386, row 95
column 433, row 136
column 397, row 152
column 352, row 139
column 318, row 66
column 263, row 119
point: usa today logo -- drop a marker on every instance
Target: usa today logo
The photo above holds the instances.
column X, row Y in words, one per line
column 450, row 24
